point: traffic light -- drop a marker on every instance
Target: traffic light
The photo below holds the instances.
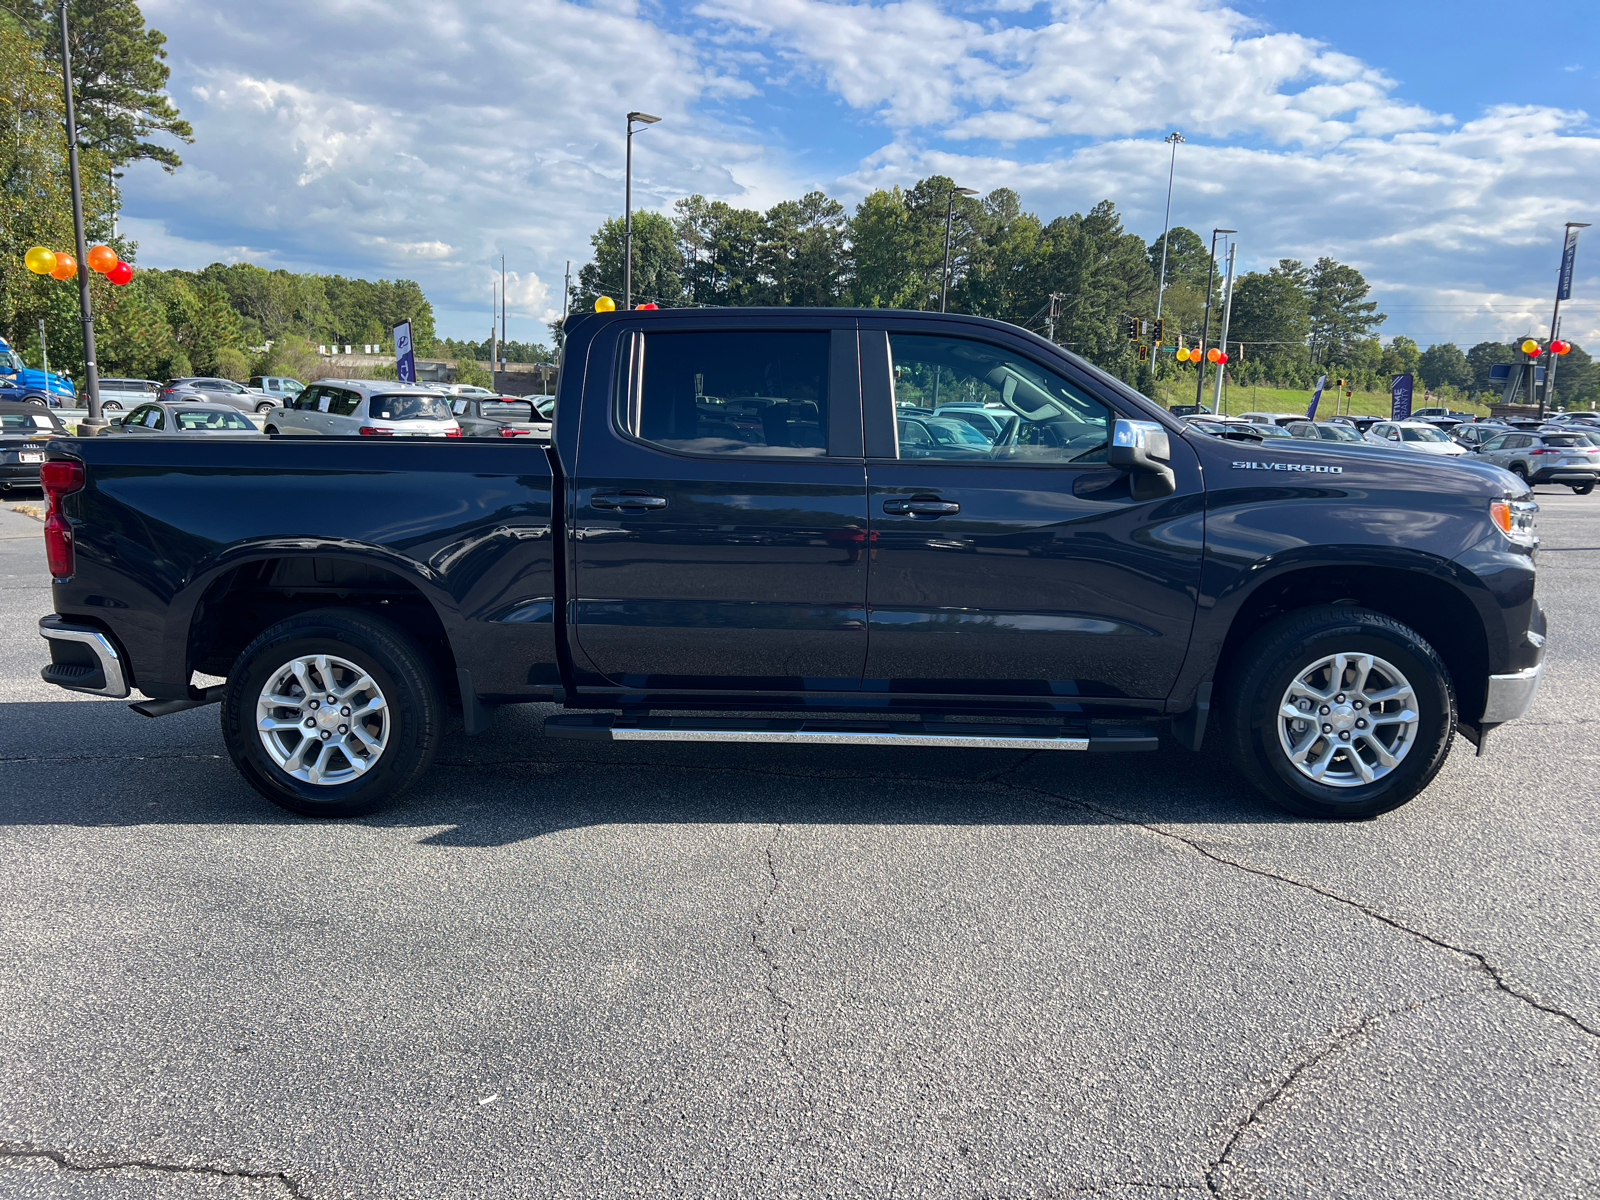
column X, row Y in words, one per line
column 1338, row 384
column 1133, row 329
column 1144, row 353
column 1161, row 332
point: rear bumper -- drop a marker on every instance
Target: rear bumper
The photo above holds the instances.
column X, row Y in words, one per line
column 82, row 659
column 20, row 474
column 1565, row 475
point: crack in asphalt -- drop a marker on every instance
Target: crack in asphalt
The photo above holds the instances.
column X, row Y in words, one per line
column 1331, row 1045
column 783, row 1009
column 66, row 1163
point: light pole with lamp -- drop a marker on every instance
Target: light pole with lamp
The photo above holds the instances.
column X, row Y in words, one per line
column 1175, row 139
column 627, row 211
column 94, row 421
column 1569, row 253
column 949, row 221
column 1205, row 335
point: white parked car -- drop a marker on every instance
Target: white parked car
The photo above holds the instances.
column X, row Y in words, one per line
column 1416, row 435
column 365, row 408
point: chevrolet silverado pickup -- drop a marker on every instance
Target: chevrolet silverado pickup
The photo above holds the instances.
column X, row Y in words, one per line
column 779, row 517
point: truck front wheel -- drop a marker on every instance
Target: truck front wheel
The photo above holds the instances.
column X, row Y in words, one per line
column 331, row 713
column 1339, row 712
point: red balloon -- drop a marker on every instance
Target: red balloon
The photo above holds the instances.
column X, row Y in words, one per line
column 1559, row 347
column 1222, row 356
column 120, row 274
column 648, row 304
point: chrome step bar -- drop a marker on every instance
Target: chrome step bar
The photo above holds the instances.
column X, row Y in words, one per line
column 1093, row 736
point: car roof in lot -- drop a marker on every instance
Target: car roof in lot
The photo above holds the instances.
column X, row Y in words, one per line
column 380, row 385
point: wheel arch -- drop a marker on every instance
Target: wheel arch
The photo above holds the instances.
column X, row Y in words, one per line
column 1425, row 595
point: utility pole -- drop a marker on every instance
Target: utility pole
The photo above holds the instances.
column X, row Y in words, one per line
column 1175, row 139
column 1227, row 312
column 949, row 221
column 503, row 342
column 566, row 294
column 494, row 346
column 1051, row 315
column 1205, row 334
column 44, row 352
column 627, row 210
column 94, row 422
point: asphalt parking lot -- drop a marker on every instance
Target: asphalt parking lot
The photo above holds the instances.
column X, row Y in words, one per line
column 563, row 969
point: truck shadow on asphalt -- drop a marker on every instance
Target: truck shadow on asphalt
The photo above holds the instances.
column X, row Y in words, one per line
column 97, row 764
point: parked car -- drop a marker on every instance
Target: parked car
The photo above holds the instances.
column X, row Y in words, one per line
column 1327, row 431
column 280, row 387
column 924, row 436
column 1235, row 429
column 1271, row 418
column 1416, row 435
column 24, row 433
column 1441, row 412
column 183, row 418
column 365, row 408
column 499, row 416
column 208, row 389
column 1474, row 434
column 990, row 422
column 1121, row 574
column 1569, row 458
column 117, row 395
column 1361, row 424
column 465, row 389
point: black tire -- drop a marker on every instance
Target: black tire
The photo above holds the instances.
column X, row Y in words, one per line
column 396, row 664
column 270, row 429
column 1520, row 471
column 265, row 408
column 1279, row 654
column 39, row 400
column 1582, row 489
column 110, row 406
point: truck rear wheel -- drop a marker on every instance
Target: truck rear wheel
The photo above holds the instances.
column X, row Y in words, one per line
column 331, row 713
column 1339, row 712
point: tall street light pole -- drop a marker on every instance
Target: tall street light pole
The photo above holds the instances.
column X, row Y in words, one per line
column 1175, row 139
column 949, row 222
column 1227, row 315
column 1563, row 291
column 94, row 421
column 1205, row 335
column 627, row 210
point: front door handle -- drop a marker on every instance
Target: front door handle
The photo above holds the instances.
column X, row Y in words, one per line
column 921, row 506
column 626, row 500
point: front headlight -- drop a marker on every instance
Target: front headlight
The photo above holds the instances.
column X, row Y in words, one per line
column 1514, row 518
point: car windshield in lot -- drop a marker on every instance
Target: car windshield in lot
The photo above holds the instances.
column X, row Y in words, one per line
column 208, row 418
column 21, row 422
column 411, row 407
column 1412, row 434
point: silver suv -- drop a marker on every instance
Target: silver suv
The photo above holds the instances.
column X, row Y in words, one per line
column 210, row 389
column 1545, row 457
column 365, row 408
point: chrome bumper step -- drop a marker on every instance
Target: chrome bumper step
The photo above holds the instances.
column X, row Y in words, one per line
column 1091, row 736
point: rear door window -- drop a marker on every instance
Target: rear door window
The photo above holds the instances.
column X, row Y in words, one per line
column 727, row 392
column 413, row 407
column 344, row 402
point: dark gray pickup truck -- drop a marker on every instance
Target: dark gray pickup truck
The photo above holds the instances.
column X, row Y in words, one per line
column 783, row 517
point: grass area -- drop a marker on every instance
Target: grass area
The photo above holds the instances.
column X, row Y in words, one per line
column 1241, row 399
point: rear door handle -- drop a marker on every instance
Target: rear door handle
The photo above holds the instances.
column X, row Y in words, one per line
column 921, row 506
column 626, row 500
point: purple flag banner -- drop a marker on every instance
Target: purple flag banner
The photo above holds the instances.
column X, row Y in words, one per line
column 1569, row 259
column 405, row 363
column 1316, row 398
column 1400, row 397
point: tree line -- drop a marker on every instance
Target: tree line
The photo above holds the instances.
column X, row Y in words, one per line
column 1077, row 278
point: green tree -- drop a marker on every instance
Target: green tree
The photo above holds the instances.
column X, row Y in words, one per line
column 1272, row 312
column 720, row 246
column 1577, row 379
column 119, row 77
column 1485, row 355
column 1188, row 257
column 210, row 327
column 133, row 336
column 1003, row 278
column 1443, row 365
column 1341, row 314
column 657, row 263
column 1401, row 356
column 802, row 256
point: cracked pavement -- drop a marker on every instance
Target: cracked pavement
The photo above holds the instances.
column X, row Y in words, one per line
column 568, row 969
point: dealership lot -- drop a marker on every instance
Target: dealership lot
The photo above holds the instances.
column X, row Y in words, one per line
column 567, row 969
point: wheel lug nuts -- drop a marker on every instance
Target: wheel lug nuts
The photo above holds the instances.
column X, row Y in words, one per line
column 345, row 711
column 344, row 729
column 1339, row 698
column 311, row 723
column 1343, row 737
column 1357, row 704
column 1361, row 724
column 1325, row 710
column 326, row 735
column 1327, row 729
column 316, row 704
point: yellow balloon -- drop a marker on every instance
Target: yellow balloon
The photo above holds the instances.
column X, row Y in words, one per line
column 1183, row 354
column 40, row 261
column 605, row 304
column 1530, row 347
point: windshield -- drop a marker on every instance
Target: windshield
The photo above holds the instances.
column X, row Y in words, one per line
column 1338, row 433
column 1270, row 431
column 1421, row 435
column 24, row 422
column 204, row 418
column 417, row 407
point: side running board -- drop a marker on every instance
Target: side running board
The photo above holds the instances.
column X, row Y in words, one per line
column 1092, row 736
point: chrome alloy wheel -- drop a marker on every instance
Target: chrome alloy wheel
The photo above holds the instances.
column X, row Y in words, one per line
column 1347, row 720
column 323, row 719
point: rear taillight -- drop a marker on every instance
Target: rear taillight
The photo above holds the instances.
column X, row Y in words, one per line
column 59, row 478
column 452, row 433
column 512, row 432
column 374, row 431
column 1545, row 450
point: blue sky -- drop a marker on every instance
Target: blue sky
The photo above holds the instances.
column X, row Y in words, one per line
column 1437, row 147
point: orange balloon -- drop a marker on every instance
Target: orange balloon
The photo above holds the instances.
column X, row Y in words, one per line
column 66, row 266
column 1214, row 354
column 101, row 258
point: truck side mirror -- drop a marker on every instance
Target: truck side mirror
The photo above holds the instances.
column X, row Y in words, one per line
column 1143, row 450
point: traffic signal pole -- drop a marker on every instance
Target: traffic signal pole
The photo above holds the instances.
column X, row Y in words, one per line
column 91, row 370
column 1227, row 312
